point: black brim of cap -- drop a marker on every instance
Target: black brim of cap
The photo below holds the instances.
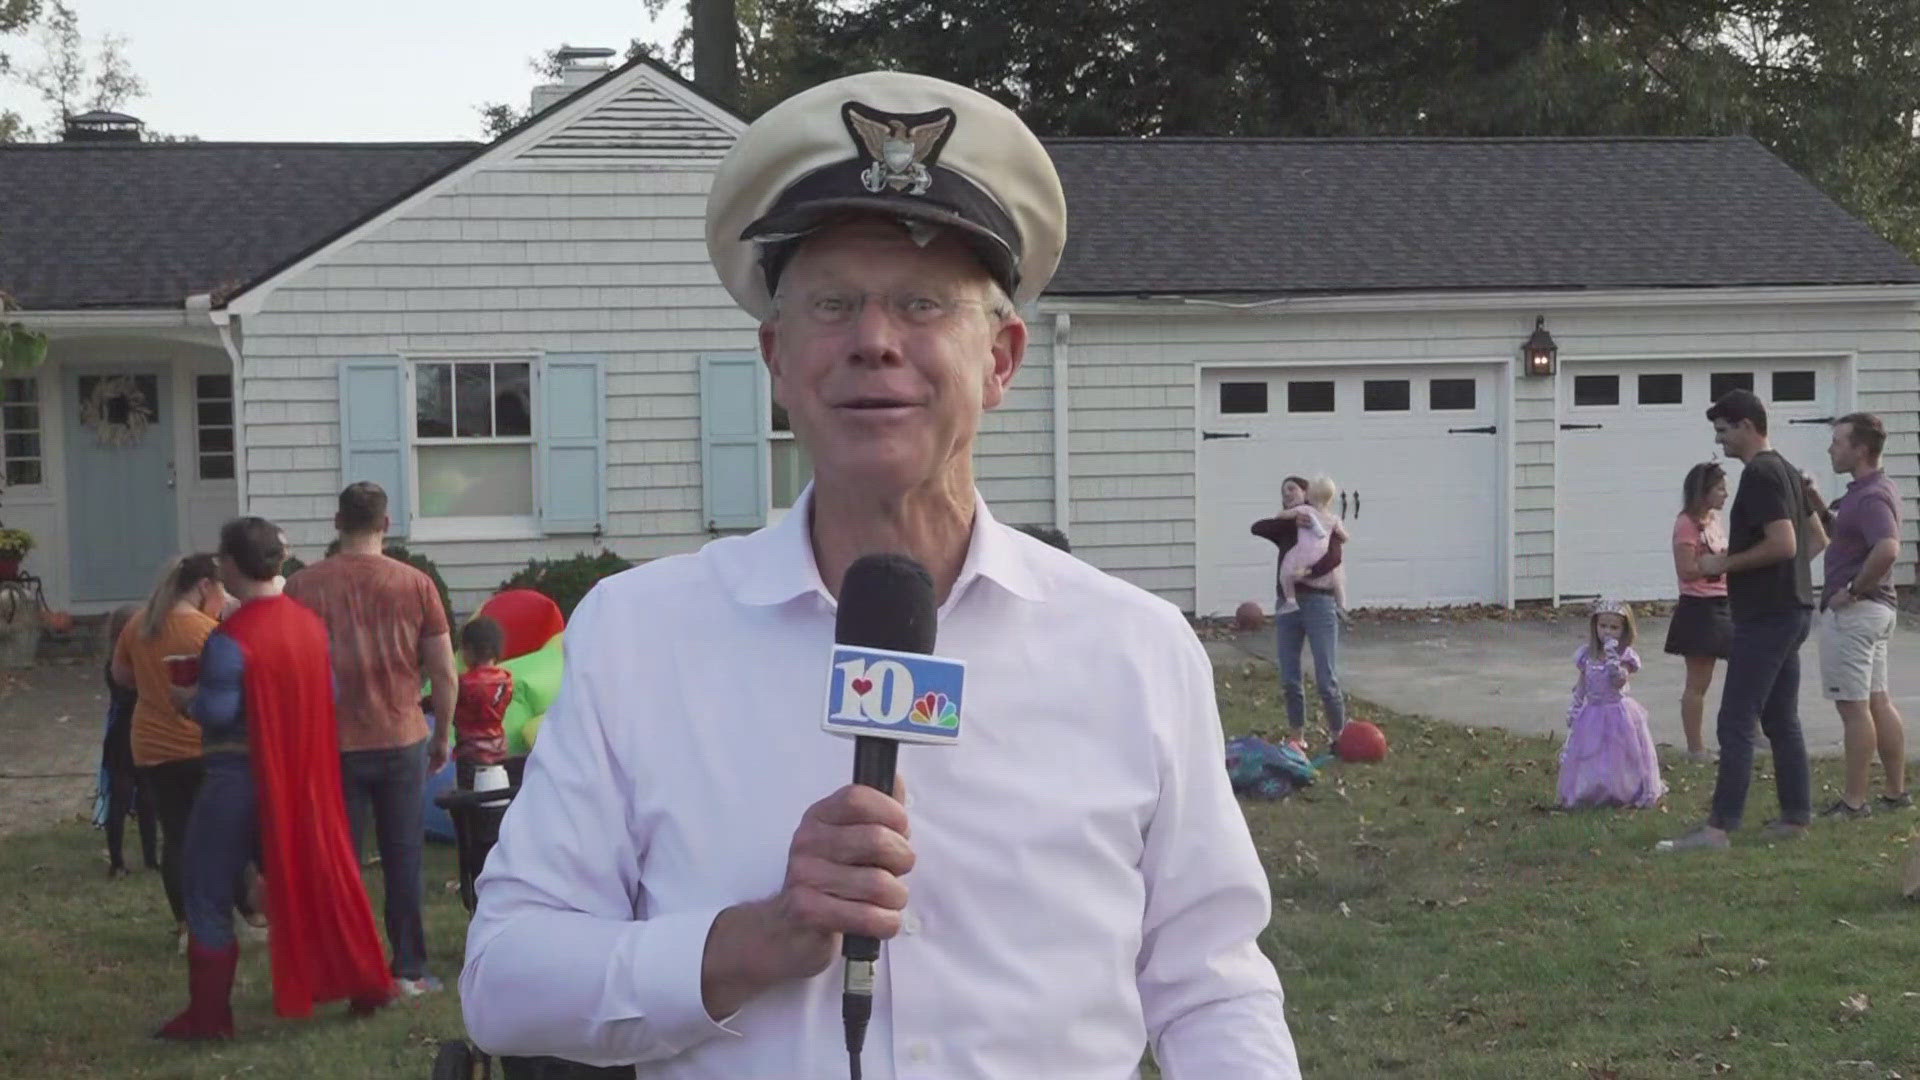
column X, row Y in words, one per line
column 947, row 198
column 779, row 232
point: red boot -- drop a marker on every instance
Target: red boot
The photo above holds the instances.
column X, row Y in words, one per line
column 209, row 1013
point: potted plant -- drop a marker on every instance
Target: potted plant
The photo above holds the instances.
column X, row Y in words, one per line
column 14, row 545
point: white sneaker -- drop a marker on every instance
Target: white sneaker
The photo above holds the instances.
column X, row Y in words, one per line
column 411, row 988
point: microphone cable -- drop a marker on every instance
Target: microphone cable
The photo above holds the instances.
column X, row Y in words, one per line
column 856, row 1008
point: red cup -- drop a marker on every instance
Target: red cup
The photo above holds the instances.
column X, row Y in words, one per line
column 183, row 670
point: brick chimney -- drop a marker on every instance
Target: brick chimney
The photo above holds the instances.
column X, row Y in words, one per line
column 578, row 67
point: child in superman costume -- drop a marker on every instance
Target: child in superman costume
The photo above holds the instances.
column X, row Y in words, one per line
column 264, row 701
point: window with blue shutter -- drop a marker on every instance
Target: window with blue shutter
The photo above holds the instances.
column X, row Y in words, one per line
column 374, row 413
column 734, row 425
column 573, row 444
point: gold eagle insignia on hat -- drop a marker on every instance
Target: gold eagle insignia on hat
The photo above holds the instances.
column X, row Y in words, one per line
column 900, row 153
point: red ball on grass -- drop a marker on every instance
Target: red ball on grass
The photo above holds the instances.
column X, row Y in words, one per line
column 1361, row 740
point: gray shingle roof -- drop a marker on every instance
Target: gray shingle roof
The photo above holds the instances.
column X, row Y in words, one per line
column 1371, row 215
column 147, row 225
column 130, row 225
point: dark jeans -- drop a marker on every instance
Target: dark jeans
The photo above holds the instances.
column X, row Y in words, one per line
column 390, row 785
column 222, row 836
column 127, row 792
column 174, row 784
column 1315, row 624
column 1763, row 681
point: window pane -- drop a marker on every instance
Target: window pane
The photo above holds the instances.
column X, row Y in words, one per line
column 792, row 468
column 216, row 413
column 23, row 472
column 1310, row 397
column 213, row 386
column 17, row 390
column 1445, row 395
column 216, row 466
column 1721, row 382
column 21, row 417
column 433, row 400
column 216, row 440
column 780, row 421
column 1596, row 389
column 1243, row 397
column 512, row 400
column 1660, row 389
column 473, row 400
column 1386, row 395
column 1793, row 386
column 476, row 481
column 23, row 446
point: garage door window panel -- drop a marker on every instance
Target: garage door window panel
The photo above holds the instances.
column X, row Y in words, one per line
column 1792, row 386
column 1453, row 395
column 1386, row 395
column 1310, row 396
column 1243, row 398
column 1596, row 391
column 1663, row 388
column 1720, row 383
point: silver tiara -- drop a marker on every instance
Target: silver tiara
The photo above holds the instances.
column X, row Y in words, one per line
column 1608, row 605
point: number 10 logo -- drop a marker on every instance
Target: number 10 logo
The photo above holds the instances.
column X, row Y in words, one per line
column 907, row 695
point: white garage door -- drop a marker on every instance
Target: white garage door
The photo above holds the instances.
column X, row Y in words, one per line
column 1417, row 453
column 1630, row 431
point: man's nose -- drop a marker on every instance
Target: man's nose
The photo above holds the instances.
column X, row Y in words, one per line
column 876, row 334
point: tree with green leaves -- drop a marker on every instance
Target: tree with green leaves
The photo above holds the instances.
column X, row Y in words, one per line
column 65, row 77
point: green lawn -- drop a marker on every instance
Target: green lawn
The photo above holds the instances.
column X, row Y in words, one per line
column 1430, row 920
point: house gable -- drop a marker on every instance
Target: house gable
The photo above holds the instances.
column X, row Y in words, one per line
column 606, row 107
column 652, row 121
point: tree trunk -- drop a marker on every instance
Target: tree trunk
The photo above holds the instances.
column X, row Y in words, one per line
column 716, row 68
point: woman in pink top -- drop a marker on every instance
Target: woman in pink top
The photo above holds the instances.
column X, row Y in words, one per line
column 1701, row 630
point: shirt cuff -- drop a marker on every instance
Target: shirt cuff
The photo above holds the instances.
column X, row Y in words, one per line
column 660, row 980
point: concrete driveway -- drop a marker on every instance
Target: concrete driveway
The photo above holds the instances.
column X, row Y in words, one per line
column 1518, row 674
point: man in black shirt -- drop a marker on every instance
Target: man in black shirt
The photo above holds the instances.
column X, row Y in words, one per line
column 1771, row 536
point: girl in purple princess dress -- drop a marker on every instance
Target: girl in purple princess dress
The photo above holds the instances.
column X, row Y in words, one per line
column 1609, row 758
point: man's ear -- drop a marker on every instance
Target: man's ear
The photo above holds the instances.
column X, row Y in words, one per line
column 1009, row 351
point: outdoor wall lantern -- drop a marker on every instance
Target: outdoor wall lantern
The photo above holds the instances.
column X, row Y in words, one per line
column 1540, row 352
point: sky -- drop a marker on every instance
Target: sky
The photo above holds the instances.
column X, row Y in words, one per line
column 339, row 70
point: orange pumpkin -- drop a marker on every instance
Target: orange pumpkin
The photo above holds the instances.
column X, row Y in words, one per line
column 59, row 622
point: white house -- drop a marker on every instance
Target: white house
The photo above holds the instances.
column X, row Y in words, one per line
column 524, row 343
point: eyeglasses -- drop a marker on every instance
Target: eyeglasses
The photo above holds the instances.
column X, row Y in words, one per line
column 913, row 307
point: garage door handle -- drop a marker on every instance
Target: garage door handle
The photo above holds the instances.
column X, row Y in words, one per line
column 1488, row 430
column 1226, row 435
column 1356, row 504
column 1343, row 504
column 1816, row 420
column 1581, row 427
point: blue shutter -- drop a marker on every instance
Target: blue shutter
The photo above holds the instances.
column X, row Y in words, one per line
column 573, row 444
column 733, row 440
column 375, row 413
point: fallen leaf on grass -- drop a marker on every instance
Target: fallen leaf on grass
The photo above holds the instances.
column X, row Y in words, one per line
column 1845, row 923
column 1345, row 910
column 1758, row 964
column 1856, row 1005
column 1732, row 1034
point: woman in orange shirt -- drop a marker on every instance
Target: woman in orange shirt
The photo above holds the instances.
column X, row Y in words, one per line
column 166, row 742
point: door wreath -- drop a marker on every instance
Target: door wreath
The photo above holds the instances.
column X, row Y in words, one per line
column 116, row 410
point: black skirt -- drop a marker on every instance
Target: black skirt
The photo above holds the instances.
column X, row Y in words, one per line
column 1701, row 626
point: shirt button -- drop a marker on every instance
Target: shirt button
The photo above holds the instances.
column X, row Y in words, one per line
column 918, row 1052
column 911, row 923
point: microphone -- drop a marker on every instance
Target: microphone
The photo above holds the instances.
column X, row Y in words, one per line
column 884, row 690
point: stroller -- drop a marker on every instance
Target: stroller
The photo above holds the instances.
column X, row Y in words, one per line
column 476, row 817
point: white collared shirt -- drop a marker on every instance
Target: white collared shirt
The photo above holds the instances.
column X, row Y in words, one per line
column 1084, row 880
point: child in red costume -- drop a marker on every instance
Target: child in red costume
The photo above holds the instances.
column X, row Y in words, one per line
column 264, row 701
column 479, row 732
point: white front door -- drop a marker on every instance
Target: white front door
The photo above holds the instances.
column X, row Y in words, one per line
column 1630, row 430
column 1416, row 451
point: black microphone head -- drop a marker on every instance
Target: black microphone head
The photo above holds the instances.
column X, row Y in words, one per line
column 886, row 602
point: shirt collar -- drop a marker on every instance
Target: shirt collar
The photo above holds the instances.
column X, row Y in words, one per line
column 776, row 564
column 1873, row 477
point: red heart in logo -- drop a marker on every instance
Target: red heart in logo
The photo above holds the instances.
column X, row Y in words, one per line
column 861, row 686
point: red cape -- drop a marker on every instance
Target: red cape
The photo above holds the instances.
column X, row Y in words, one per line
column 323, row 940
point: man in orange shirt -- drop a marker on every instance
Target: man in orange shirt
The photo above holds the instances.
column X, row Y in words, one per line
column 385, row 625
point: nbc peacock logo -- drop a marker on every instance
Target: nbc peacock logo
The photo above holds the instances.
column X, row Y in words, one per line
column 934, row 710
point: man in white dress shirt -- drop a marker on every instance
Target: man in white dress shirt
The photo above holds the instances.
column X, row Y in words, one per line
column 1070, row 882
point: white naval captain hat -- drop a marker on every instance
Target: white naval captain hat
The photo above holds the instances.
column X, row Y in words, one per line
column 912, row 147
